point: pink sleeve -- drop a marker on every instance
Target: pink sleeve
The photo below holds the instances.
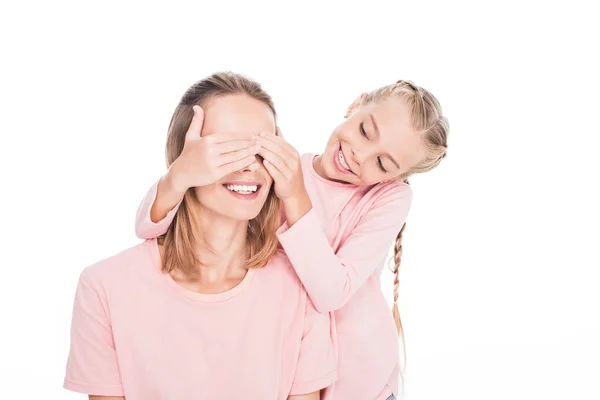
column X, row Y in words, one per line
column 92, row 366
column 144, row 227
column 317, row 364
column 332, row 278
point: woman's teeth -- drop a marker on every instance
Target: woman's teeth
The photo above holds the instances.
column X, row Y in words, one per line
column 242, row 189
column 343, row 160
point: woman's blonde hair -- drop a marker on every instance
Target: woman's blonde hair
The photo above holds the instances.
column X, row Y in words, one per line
column 183, row 234
column 427, row 118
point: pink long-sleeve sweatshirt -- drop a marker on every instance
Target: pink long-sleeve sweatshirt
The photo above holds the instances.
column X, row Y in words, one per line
column 338, row 250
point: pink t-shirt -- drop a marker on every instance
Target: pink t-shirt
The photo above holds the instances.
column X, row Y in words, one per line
column 338, row 250
column 137, row 333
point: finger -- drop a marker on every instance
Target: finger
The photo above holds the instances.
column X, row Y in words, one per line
column 279, row 141
column 274, row 172
column 236, row 155
column 218, row 138
column 273, row 145
column 276, row 148
column 255, row 166
column 227, row 169
column 276, row 160
column 233, row 145
column 195, row 127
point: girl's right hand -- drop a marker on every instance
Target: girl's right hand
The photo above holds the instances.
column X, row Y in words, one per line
column 206, row 159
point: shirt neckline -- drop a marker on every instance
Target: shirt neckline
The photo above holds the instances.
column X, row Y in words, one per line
column 152, row 246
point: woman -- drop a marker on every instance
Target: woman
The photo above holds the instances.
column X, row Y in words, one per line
column 211, row 310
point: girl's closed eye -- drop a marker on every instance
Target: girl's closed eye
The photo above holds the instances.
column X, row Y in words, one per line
column 362, row 130
column 364, row 133
column 380, row 163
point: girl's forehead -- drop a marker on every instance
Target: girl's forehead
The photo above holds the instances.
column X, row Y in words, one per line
column 391, row 119
column 393, row 110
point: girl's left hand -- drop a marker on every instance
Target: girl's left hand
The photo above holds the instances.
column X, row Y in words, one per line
column 282, row 161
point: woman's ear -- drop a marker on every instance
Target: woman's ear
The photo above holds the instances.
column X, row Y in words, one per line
column 354, row 105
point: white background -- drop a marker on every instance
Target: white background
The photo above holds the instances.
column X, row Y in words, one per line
column 500, row 275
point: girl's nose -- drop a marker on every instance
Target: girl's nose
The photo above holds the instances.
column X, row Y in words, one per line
column 358, row 156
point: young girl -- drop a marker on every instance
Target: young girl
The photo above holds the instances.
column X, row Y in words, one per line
column 193, row 315
column 343, row 209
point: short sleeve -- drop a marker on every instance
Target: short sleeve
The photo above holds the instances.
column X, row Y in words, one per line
column 92, row 366
column 317, row 364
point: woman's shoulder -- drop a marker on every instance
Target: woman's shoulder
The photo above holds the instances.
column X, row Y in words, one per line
column 279, row 271
column 110, row 269
column 279, row 264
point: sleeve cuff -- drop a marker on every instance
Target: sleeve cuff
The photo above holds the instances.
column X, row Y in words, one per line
column 302, row 227
column 170, row 215
column 314, row 385
column 145, row 227
column 92, row 389
column 152, row 198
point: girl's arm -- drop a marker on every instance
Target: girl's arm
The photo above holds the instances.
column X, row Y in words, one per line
column 105, row 398
column 332, row 277
column 158, row 208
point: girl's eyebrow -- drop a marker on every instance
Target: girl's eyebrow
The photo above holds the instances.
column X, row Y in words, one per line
column 377, row 133
column 374, row 124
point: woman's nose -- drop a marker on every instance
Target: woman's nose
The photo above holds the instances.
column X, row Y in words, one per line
column 252, row 167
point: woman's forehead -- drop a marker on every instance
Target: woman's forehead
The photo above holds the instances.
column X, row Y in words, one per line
column 237, row 114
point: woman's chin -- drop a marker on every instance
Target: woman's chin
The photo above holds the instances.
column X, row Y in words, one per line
column 244, row 215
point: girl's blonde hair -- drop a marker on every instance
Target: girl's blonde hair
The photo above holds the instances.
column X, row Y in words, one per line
column 180, row 239
column 427, row 118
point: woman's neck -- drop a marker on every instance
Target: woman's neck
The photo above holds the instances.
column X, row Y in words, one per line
column 221, row 250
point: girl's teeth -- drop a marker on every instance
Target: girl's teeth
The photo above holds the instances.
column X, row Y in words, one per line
column 343, row 161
